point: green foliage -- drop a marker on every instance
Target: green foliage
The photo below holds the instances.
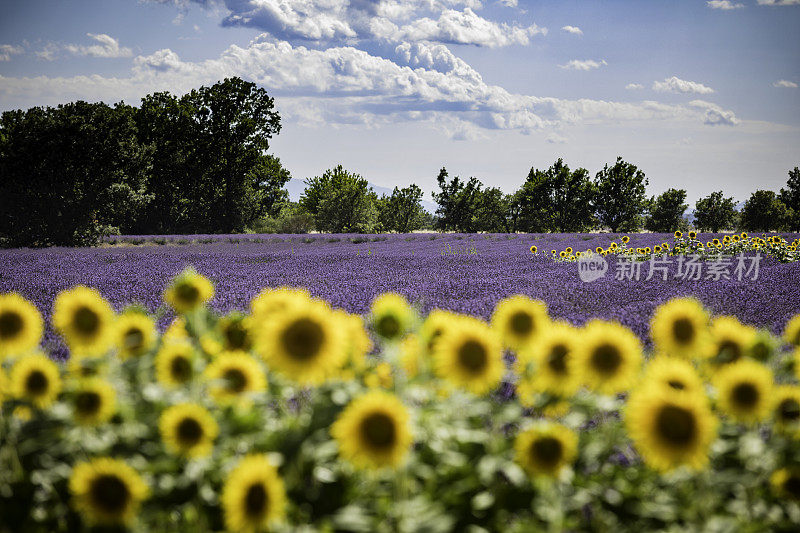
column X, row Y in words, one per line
column 715, row 212
column 458, row 202
column 341, row 202
column 763, row 211
column 291, row 218
column 790, row 196
column 620, row 196
column 666, row 212
column 556, row 199
column 402, row 211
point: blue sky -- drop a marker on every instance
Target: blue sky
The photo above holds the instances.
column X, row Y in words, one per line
column 701, row 95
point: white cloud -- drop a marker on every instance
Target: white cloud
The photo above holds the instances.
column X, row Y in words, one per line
column 779, row 2
column 555, row 138
column 634, row 86
column 108, row 47
column 714, row 114
column 465, row 27
column 572, row 29
column 583, row 64
column 785, row 83
column 8, row 50
column 724, row 5
column 677, row 85
column 509, row 3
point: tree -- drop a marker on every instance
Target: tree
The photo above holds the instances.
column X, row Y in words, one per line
column 402, row 211
column 620, row 196
column 492, row 212
column 458, row 201
column 714, row 212
column 341, row 201
column 790, row 196
column 764, row 212
column 666, row 211
column 556, row 199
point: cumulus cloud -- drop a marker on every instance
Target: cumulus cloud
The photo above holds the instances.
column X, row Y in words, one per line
column 677, row 85
column 465, row 27
column 714, row 115
column 8, row 50
column 572, row 29
column 779, row 2
column 785, row 83
column 723, row 4
column 555, row 138
column 107, row 47
column 634, row 86
column 583, row 64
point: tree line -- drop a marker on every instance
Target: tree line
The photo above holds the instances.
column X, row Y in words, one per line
column 198, row 163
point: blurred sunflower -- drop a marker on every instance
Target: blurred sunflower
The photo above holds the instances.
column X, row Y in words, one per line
column 357, row 342
column 271, row 301
column 373, row 431
column 669, row 429
column 519, row 320
column 763, row 346
column 786, row 482
column 106, row 492
column 608, row 356
column 744, row 390
column 469, row 355
column 546, row 448
column 94, row 401
column 36, row 379
column 553, row 353
column 188, row 291
column 85, row 320
column 730, row 340
column 379, row 377
column 786, row 409
column 305, row 344
column 234, row 375
column 680, row 327
column 437, row 321
column 78, row 368
column 234, row 330
column 174, row 363
column 673, row 374
column 188, row 429
column 176, row 331
column 135, row 334
column 21, row 325
column 411, row 359
column 391, row 316
column 254, row 496
column 791, row 333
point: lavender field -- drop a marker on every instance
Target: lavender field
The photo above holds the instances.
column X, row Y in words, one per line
column 466, row 273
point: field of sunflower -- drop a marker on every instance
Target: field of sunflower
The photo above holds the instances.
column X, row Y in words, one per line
column 295, row 415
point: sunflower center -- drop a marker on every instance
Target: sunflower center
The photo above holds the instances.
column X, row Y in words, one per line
column 256, row 500
column 683, row 330
column 86, row 321
column 36, row 383
column 134, row 339
column 303, row 339
column 789, row 410
column 187, row 293
column 745, row 395
column 729, row 352
column 189, row 431
column 675, row 384
column 792, row 486
column 676, row 425
column 472, row 356
column 378, row 431
column 388, row 326
column 606, row 359
column 87, row 402
column 180, row 369
column 521, row 323
column 10, row 324
column 557, row 359
column 109, row 494
column 546, row 450
column 236, row 337
column 235, row 380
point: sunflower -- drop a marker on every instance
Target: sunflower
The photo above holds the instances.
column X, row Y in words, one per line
column 763, row 346
column 85, row 320
column 136, row 334
column 791, row 333
column 188, row 429
column 609, row 356
column 380, row 377
column 21, row 325
column 94, row 401
column 625, row 239
column 234, row 330
column 306, row 343
column 391, row 316
column 554, row 357
column 176, row 331
column 106, row 491
column 786, row 482
column 715, row 242
column 669, row 429
column 253, row 497
column 519, row 320
column 744, row 390
column 411, row 356
column 36, row 379
column 562, row 254
column 568, row 249
column 174, row 363
column 373, row 431
column 599, row 250
column 693, row 235
column 613, row 246
column 469, row 355
column 357, row 341
column 236, row 375
column 786, row 408
column 673, row 374
column 188, row 291
column 730, row 340
column 271, row 301
column 678, row 234
column 534, row 249
column 78, row 369
column 546, row 448
column 433, row 326
column 680, row 327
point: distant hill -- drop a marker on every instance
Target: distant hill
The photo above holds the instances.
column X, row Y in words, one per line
column 296, row 188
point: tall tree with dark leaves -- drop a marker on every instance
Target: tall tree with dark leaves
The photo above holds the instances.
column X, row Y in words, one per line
column 402, row 210
column 341, row 201
column 620, row 199
column 764, row 212
column 665, row 212
column 715, row 212
column 557, row 199
column 457, row 202
column 790, row 196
